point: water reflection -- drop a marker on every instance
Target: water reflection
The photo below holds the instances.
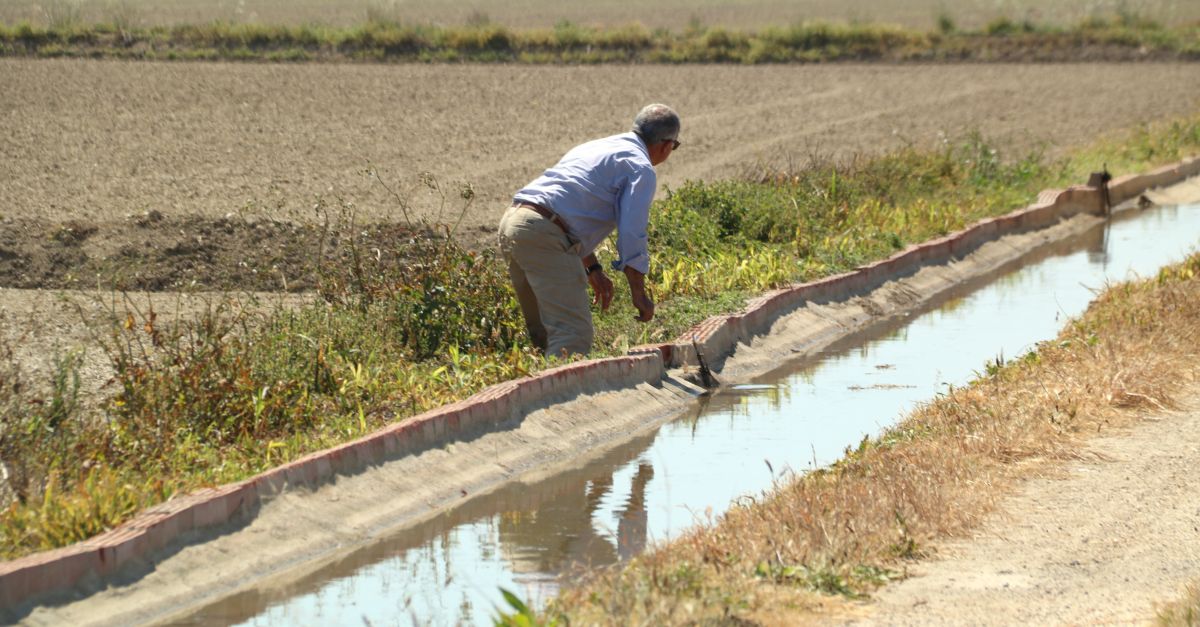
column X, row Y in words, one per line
column 523, row 537
column 447, row 569
column 563, row 531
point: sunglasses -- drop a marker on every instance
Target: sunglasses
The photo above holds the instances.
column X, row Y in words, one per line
column 674, row 144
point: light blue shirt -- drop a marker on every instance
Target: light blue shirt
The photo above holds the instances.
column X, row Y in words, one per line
column 598, row 186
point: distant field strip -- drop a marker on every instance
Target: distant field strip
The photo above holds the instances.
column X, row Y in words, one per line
column 1123, row 37
column 547, row 13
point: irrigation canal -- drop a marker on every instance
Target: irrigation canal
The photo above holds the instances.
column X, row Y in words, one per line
column 523, row 537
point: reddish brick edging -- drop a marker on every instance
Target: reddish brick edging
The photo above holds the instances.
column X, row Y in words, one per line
column 717, row 336
column 26, row 579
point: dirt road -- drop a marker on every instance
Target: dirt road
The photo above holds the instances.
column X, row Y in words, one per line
column 1102, row 542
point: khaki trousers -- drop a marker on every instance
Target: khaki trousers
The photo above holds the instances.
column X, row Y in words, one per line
column 546, row 272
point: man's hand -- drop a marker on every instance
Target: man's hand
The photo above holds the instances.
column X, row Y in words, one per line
column 645, row 306
column 641, row 300
column 602, row 289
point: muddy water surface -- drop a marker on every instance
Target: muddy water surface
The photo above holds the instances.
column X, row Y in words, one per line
column 526, row 537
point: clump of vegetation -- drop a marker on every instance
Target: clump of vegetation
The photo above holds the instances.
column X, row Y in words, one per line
column 238, row 388
column 1157, row 143
column 945, row 23
column 716, row 243
column 62, row 15
column 234, row 390
column 1123, row 36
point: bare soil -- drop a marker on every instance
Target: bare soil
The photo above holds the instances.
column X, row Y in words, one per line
column 1105, row 540
column 675, row 14
column 199, row 177
column 92, row 148
column 153, row 252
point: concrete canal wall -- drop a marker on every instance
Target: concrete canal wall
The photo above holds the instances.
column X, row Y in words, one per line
column 27, row 580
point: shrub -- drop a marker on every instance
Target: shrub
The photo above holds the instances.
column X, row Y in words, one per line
column 945, row 24
column 39, row 428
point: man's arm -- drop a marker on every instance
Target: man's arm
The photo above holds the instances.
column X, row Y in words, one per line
column 633, row 218
column 637, row 289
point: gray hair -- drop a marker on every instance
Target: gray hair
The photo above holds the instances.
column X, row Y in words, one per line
column 656, row 123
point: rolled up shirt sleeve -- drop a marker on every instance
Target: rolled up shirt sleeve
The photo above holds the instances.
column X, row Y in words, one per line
column 633, row 219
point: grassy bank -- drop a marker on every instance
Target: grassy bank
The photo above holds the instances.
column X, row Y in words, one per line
column 228, row 393
column 854, row 526
column 1124, row 36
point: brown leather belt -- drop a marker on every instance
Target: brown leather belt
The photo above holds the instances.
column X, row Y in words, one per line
column 545, row 213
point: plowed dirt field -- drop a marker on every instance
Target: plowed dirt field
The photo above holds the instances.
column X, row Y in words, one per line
column 98, row 141
column 180, row 175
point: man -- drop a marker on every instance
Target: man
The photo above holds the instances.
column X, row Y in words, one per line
column 550, row 233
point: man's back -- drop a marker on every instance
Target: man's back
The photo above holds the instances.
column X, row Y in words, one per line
column 593, row 187
column 548, row 236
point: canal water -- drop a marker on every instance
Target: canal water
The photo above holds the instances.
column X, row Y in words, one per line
column 526, row 537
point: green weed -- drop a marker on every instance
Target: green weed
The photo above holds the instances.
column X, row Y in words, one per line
column 945, row 23
column 522, row 615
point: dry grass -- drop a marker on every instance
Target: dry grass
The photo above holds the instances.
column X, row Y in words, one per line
column 1183, row 613
column 852, row 527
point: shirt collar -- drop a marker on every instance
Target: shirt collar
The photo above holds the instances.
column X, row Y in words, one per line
column 637, row 139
